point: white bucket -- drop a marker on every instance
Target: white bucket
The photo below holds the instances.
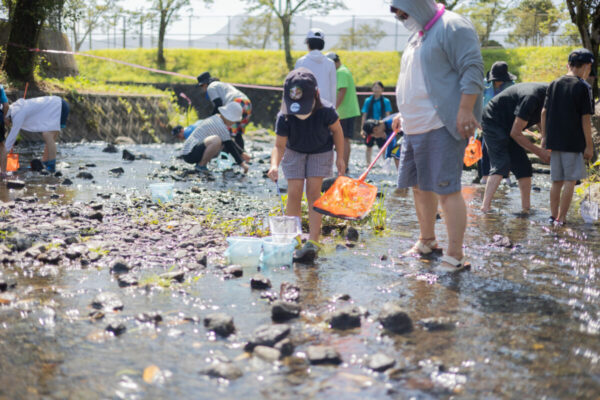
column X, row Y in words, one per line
column 284, row 228
column 277, row 254
column 244, row 251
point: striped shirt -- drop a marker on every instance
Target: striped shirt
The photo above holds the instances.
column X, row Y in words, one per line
column 212, row 126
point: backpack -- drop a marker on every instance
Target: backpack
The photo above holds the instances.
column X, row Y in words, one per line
column 372, row 107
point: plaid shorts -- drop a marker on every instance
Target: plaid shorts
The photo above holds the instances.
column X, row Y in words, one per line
column 239, row 128
column 297, row 165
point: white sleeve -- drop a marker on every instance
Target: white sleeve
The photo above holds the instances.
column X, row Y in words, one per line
column 333, row 84
column 17, row 123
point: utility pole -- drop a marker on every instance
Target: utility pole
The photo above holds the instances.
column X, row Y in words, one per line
column 228, row 31
column 353, row 37
column 124, row 36
column 141, row 31
column 190, row 31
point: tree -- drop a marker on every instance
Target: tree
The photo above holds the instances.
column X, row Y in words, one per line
column 533, row 20
column 27, row 19
column 364, row 37
column 87, row 14
column 450, row 4
column 485, row 15
column 585, row 14
column 256, row 32
column 285, row 10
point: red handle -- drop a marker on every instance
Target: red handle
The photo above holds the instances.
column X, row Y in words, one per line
column 364, row 175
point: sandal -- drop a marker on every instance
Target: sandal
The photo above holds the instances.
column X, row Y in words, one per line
column 422, row 249
column 454, row 264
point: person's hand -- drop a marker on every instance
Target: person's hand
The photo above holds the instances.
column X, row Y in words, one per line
column 245, row 167
column 341, row 166
column 588, row 153
column 246, row 157
column 363, row 134
column 6, row 121
column 544, row 156
column 273, row 173
column 543, row 143
column 466, row 123
column 397, row 124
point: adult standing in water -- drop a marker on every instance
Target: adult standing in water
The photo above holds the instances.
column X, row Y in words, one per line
column 221, row 94
column 439, row 96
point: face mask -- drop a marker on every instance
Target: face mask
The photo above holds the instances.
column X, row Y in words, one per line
column 411, row 24
column 303, row 116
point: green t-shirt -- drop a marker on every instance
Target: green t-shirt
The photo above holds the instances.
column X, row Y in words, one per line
column 349, row 107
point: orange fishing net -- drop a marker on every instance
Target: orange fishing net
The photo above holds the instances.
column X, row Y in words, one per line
column 473, row 152
column 347, row 198
column 12, row 162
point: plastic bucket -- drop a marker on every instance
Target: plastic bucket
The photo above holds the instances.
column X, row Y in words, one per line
column 277, row 254
column 244, row 251
column 161, row 192
column 284, row 228
column 225, row 160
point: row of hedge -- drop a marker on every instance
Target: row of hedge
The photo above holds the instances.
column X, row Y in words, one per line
column 268, row 67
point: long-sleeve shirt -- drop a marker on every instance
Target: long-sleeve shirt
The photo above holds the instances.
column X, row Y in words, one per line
column 40, row 114
column 324, row 70
column 213, row 126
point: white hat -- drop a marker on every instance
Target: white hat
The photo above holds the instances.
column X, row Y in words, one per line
column 315, row 33
column 232, row 111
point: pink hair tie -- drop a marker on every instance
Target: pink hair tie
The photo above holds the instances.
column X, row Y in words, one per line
column 441, row 9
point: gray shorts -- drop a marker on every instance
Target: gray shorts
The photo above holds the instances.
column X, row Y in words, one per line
column 297, row 165
column 432, row 162
column 567, row 166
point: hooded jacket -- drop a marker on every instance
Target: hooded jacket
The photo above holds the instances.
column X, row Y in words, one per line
column 324, row 70
column 451, row 60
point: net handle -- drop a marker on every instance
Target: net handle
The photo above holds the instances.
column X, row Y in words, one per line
column 364, row 174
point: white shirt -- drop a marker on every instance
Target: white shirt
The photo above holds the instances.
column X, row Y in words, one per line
column 211, row 126
column 323, row 69
column 40, row 114
column 224, row 91
column 417, row 112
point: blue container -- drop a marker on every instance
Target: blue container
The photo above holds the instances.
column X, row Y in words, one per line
column 244, row 251
column 277, row 254
column 161, row 192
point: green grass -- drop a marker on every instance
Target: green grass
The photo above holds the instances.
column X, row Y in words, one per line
column 268, row 67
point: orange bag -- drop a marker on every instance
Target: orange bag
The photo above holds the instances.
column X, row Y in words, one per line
column 473, row 152
column 12, row 162
column 350, row 198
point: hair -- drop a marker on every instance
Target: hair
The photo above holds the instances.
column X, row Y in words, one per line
column 378, row 83
column 369, row 125
column 315, row 44
column 577, row 64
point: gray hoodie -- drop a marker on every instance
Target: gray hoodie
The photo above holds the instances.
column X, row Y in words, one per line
column 451, row 60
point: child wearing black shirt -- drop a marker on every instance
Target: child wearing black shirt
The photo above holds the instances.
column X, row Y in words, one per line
column 567, row 131
column 307, row 129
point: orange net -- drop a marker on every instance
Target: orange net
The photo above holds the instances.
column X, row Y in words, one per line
column 12, row 162
column 473, row 152
column 347, row 198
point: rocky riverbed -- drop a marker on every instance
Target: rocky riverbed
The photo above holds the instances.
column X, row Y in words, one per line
column 104, row 294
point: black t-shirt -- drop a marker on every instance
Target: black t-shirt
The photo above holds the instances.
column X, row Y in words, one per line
column 311, row 135
column 523, row 100
column 567, row 100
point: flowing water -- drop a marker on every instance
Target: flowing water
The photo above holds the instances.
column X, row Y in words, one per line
column 526, row 319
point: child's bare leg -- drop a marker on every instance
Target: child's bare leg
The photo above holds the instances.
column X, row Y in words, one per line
column 294, row 200
column 313, row 192
column 3, row 156
column 50, row 147
column 525, row 189
column 565, row 200
column 369, row 155
column 555, row 197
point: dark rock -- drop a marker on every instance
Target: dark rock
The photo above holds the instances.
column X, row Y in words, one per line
column 342, row 297
column 128, row 156
column 96, row 315
column 268, row 354
column 437, row 324
column 346, row 318
column 269, row 295
column 223, row 370
column 381, row 362
column 15, row 184
column 67, row 182
column 85, row 175
column 393, row 319
column 289, row 292
column 285, row 347
column 202, row 260
column 219, row 323
column 352, row 234
column 116, row 329
column 95, row 215
column 110, row 148
column 7, row 283
column 120, row 267
column 49, row 257
column 73, row 252
column 260, row 282
column 178, row 275
column 151, row 317
column 282, row 311
column 117, row 171
column 107, row 301
column 502, row 241
column 234, row 270
column 90, row 165
column 20, row 242
column 267, row 335
column 36, row 165
column 96, row 206
column 318, row 355
column 71, row 240
column 58, row 174
column 127, row 280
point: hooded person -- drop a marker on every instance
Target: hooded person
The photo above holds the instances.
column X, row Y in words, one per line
column 439, row 96
column 321, row 66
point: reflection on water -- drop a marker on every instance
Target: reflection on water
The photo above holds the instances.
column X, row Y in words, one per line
column 525, row 319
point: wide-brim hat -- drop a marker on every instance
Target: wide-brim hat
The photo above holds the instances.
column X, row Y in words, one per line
column 499, row 72
column 204, row 78
column 299, row 91
column 232, row 111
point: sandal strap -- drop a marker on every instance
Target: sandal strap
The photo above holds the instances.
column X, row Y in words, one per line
column 420, row 247
column 458, row 264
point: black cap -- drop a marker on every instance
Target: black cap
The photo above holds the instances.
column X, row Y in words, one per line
column 176, row 130
column 369, row 125
column 204, row 78
column 333, row 56
column 582, row 56
column 299, row 91
column 499, row 72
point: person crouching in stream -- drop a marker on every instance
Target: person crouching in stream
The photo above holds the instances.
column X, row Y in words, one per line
column 211, row 136
column 307, row 130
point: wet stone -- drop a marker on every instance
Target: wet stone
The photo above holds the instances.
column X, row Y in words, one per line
column 285, row 347
column 107, row 301
column 381, row 362
column 119, row 267
column 268, row 354
column 394, row 319
column 319, row 355
column 223, row 370
column 289, row 292
column 151, row 317
column 260, row 282
column 346, row 318
column 15, row 184
column 50, row 257
column 7, row 282
column 127, row 280
column 202, row 260
column 97, row 215
column 21, row 242
column 437, row 324
column 116, row 329
column 502, row 241
column 174, row 275
column 282, row 311
column 73, row 252
column 352, row 234
column 85, row 175
column 67, row 182
column 219, row 323
column 234, row 270
column 127, row 155
column 267, row 335
column 110, row 148
column 269, row 295
column 96, row 206
column 96, row 315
